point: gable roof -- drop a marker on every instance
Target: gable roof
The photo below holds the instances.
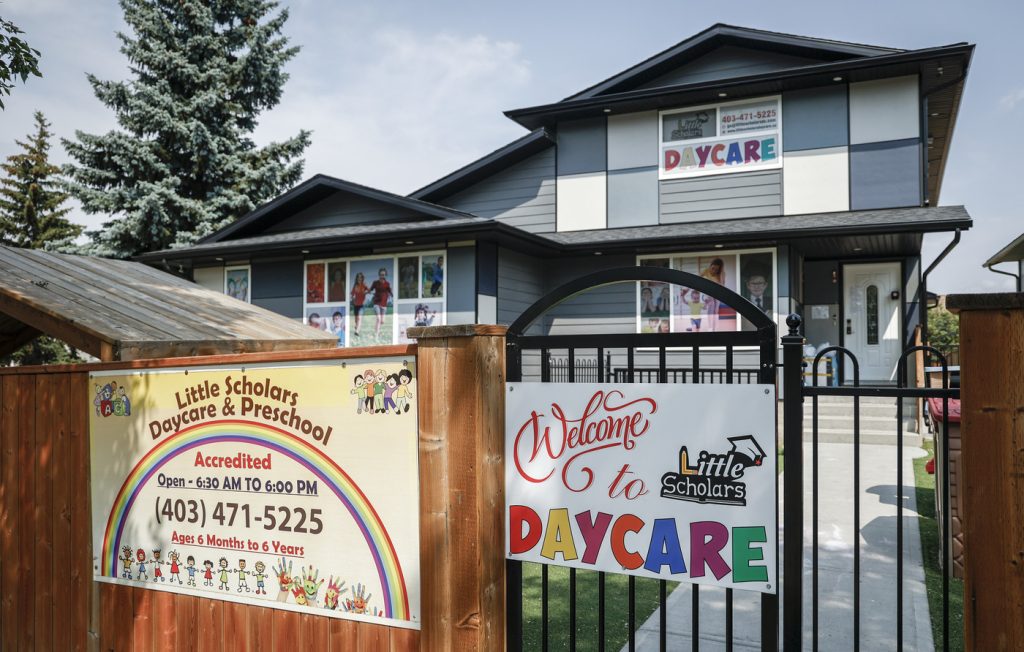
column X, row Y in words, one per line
column 719, row 35
column 1011, row 253
column 314, row 190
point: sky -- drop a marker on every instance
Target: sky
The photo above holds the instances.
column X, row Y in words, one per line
column 400, row 93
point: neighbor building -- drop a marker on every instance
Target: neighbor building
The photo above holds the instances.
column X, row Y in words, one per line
column 801, row 172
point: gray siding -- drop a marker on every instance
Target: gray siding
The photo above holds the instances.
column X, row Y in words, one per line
column 722, row 197
column 608, row 309
column 461, row 285
column 523, row 195
column 725, row 62
column 287, row 306
column 815, row 118
column 341, row 209
column 582, row 146
column 520, row 283
column 885, row 175
column 277, row 285
column 633, row 197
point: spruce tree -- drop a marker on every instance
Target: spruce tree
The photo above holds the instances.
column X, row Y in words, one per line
column 182, row 163
column 32, row 205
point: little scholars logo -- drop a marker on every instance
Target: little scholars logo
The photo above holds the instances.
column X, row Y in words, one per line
column 717, row 477
column 111, row 400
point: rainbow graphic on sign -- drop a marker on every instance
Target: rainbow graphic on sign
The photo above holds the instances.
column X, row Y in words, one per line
column 389, row 570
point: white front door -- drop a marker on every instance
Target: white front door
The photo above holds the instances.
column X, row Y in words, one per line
column 871, row 319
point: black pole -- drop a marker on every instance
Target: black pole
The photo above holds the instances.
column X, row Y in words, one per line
column 793, row 485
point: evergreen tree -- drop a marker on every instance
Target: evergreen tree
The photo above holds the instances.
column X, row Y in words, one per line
column 31, row 205
column 182, row 163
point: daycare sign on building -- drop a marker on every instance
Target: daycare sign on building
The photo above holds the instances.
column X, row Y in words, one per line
column 291, row 486
column 667, row 481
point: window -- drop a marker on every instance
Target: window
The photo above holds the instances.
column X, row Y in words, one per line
column 721, row 138
column 236, row 283
column 872, row 314
column 665, row 308
column 374, row 300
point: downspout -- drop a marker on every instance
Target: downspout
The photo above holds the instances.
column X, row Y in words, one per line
column 999, row 271
column 924, row 283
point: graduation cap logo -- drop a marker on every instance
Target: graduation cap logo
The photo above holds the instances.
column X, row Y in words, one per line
column 715, row 478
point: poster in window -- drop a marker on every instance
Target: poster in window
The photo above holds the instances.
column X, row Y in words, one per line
column 337, row 287
column 236, row 283
column 315, row 283
column 408, row 281
column 756, row 282
column 421, row 313
column 329, row 319
column 655, row 301
column 372, row 302
column 695, row 311
column 688, row 125
column 433, row 276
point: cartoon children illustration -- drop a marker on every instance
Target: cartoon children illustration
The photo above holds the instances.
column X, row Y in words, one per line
column 310, row 585
column 126, row 562
column 370, row 379
column 223, row 564
column 382, row 296
column 260, row 578
column 173, row 556
column 157, row 573
column 140, row 556
column 390, row 385
column 191, row 568
column 98, row 398
column 403, row 392
column 125, row 403
column 378, row 391
column 284, row 579
column 242, row 584
column 208, row 573
column 360, row 392
column 106, row 404
column 335, row 587
column 358, row 296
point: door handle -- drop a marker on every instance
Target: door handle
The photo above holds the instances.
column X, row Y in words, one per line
column 849, row 327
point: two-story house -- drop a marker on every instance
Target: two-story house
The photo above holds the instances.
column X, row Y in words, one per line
column 800, row 172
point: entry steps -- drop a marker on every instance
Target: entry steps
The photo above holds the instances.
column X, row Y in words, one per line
column 878, row 423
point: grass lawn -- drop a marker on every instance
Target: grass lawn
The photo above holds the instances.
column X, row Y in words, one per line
column 616, row 607
column 930, row 537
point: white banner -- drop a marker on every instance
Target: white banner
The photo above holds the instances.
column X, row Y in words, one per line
column 292, row 486
column 669, row 481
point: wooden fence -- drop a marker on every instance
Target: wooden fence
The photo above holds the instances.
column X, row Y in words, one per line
column 50, row 601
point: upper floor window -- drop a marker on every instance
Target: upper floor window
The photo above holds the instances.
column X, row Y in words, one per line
column 720, row 138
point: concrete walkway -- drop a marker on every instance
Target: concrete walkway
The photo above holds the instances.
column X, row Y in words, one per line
column 836, row 540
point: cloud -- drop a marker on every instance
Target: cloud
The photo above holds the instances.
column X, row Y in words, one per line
column 1010, row 101
column 397, row 109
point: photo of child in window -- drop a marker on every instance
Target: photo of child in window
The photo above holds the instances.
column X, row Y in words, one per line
column 433, row 276
column 655, row 306
column 337, row 288
column 418, row 314
column 408, row 282
column 372, row 302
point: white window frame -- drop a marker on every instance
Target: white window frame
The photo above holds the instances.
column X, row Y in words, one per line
column 716, row 107
column 394, row 256
column 710, row 254
column 248, row 272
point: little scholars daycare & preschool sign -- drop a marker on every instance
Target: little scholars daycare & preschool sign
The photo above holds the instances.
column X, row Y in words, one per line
column 292, row 486
column 666, row 481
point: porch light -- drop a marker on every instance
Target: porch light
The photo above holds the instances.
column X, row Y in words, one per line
column 607, row 110
column 305, row 251
column 409, row 242
column 723, row 95
column 837, row 79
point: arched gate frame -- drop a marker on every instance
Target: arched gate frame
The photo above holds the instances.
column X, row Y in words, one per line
column 689, row 345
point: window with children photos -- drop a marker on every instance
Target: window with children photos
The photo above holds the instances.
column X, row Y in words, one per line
column 666, row 308
column 374, row 300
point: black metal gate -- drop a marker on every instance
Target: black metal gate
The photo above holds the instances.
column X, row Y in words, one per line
column 634, row 357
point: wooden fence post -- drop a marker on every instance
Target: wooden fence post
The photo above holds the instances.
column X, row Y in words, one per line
column 461, row 372
column 992, row 462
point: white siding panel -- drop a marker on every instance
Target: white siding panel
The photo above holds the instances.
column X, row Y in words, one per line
column 816, row 181
column 882, row 110
column 211, row 278
column 581, row 201
column 632, row 140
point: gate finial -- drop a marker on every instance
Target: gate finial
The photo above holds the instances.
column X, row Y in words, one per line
column 794, row 321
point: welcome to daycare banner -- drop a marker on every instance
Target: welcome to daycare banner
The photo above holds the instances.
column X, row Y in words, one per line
column 656, row 480
column 291, row 486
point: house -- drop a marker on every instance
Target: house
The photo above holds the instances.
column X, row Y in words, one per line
column 800, row 172
column 1011, row 253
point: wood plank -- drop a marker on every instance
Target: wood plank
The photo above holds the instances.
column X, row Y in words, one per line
column 288, row 633
column 73, row 334
column 236, row 625
column 404, row 640
column 318, row 631
column 374, row 638
column 210, row 634
column 186, row 623
column 26, row 491
column 118, row 624
column 344, row 635
column 10, row 515
column 142, row 619
column 63, row 534
column 82, row 585
column 45, row 404
column 261, row 629
column 164, row 620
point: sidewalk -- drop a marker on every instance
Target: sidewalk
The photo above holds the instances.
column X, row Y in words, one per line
column 835, row 565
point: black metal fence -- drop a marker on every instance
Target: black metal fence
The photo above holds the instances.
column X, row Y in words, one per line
column 587, row 358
